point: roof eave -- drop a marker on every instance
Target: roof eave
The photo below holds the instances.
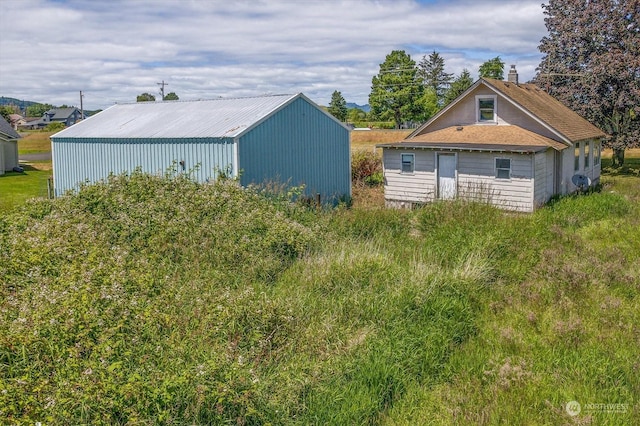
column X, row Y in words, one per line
column 405, row 146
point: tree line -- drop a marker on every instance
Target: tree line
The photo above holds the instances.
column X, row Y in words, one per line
column 405, row 92
column 591, row 63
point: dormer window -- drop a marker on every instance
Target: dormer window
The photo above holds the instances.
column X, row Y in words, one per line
column 486, row 108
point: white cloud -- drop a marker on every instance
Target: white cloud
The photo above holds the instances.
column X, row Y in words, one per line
column 116, row 50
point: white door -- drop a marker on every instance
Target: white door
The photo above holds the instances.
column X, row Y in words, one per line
column 446, row 176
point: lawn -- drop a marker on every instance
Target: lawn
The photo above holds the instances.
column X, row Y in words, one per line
column 16, row 188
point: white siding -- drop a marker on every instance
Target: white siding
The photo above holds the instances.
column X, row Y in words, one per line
column 550, row 156
column 418, row 187
column 475, row 179
column 544, row 181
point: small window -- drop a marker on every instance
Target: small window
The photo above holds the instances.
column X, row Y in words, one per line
column 586, row 154
column 408, row 161
column 486, row 109
column 596, row 154
column 503, row 168
column 576, row 163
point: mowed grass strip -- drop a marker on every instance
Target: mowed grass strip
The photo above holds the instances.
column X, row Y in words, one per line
column 16, row 188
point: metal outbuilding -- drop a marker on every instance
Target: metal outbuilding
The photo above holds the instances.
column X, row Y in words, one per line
column 8, row 146
column 279, row 138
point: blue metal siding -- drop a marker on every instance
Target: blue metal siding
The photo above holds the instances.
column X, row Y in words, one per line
column 93, row 159
column 298, row 144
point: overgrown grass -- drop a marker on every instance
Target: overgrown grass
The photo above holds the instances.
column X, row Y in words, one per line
column 160, row 300
column 34, row 142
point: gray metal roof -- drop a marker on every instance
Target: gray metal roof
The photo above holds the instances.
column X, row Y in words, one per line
column 178, row 119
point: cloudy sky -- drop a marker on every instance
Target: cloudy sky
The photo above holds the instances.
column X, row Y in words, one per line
column 114, row 50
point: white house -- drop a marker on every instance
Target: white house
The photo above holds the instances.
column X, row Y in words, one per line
column 8, row 146
column 502, row 142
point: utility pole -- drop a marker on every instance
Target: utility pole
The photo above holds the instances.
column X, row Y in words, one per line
column 81, row 108
column 162, row 88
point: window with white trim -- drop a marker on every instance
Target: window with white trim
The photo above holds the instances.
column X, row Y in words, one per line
column 576, row 155
column 503, row 168
column 408, row 163
column 587, row 149
column 596, row 153
column 486, row 108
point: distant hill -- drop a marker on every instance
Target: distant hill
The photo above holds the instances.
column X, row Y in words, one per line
column 13, row 101
column 4, row 100
column 365, row 108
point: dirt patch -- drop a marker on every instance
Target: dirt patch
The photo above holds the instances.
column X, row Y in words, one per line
column 36, row 165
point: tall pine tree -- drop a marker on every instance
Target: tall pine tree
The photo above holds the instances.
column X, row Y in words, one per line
column 431, row 71
column 459, row 85
column 338, row 106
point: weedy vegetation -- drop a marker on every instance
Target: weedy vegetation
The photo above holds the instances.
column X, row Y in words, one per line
column 157, row 300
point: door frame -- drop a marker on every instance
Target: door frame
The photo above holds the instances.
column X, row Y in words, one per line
column 437, row 172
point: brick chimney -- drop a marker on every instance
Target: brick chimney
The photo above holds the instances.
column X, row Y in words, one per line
column 513, row 75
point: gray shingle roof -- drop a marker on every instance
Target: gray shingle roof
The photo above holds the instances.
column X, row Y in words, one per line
column 6, row 129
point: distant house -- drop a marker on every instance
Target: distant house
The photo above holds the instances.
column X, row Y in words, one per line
column 16, row 120
column 66, row 116
column 280, row 138
column 8, row 146
column 507, row 143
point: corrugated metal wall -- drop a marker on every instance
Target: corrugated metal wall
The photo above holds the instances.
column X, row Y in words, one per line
column 93, row 159
column 298, row 145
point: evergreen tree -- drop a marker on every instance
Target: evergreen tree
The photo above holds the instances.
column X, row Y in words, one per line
column 493, row 68
column 396, row 89
column 338, row 106
column 431, row 71
column 458, row 86
column 591, row 63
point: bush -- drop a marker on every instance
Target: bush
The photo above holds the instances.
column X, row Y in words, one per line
column 118, row 302
column 366, row 168
column 54, row 127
